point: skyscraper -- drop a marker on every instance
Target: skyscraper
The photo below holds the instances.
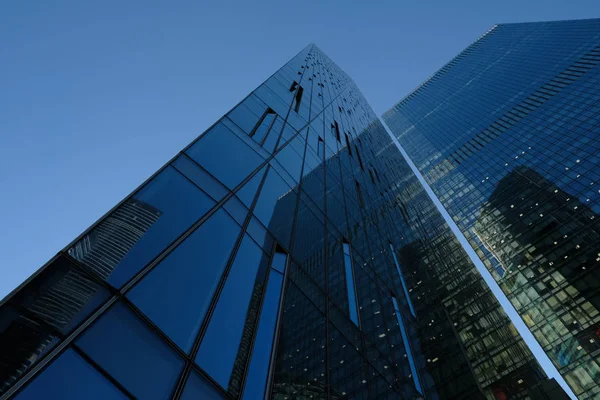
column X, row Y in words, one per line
column 507, row 136
column 288, row 252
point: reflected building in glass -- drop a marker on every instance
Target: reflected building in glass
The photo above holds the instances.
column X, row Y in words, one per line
column 507, row 134
column 289, row 253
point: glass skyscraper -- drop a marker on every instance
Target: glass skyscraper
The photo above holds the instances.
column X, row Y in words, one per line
column 507, row 135
column 288, row 253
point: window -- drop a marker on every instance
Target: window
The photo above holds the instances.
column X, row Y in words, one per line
column 221, row 342
column 70, row 377
column 200, row 177
column 143, row 226
column 198, row 387
column 320, row 146
column 294, row 86
column 409, row 354
column 188, row 275
column 219, row 149
column 263, row 127
column 263, row 345
column 131, row 353
column 350, row 287
column 359, row 194
column 348, row 144
column 410, row 304
column 358, row 156
column 336, row 128
column 299, row 94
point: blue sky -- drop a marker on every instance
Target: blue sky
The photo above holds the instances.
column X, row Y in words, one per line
column 95, row 96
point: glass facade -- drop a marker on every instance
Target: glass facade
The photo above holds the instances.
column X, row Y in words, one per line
column 287, row 253
column 507, row 136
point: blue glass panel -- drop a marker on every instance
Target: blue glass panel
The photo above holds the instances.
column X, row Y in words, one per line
column 131, row 353
column 225, row 155
column 248, row 191
column 62, row 295
column 176, row 294
column 411, row 360
column 291, row 159
column 200, row 177
column 261, row 353
column 197, row 387
column 273, row 192
column 220, row 344
column 353, row 307
column 279, row 261
column 236, row 209
column 70, row 377
column 410, row 304
column 273, row 135
column 135, row 233
column 265, row 125
column 244, row 117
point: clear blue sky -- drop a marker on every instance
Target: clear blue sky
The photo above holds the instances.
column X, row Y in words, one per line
column 95, row 96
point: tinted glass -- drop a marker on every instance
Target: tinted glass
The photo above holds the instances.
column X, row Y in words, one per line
column 176, row 294
column 410, row 304
column 407, row 347
column 225, row 155
column 70, row 377
column 200, row 177
column 351, row 290
column 261, row 354
column 248, row 191
column 197, row 388
column 142, row 227
column 126, row 348
column 275, row 206
column 220, row 343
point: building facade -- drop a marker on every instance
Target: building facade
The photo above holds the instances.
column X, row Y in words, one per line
column 507, row 135
column 287, row 253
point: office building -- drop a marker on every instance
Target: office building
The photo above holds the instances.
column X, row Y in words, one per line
column 288, row 253
column 507, row 135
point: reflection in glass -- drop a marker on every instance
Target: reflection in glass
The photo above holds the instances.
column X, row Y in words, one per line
column 126, row 348
column 176, row 294
column 129, row 238
column 410, row 304
column 221, row 341
column 350, row 288
column 409, row 354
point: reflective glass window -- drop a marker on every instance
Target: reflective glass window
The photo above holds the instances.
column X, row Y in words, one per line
column 275, row 206
column 261, row 130
column 225, row 155
column 62, row 295
column 197, row 387
column 200, row 177
column 142, row 227
column 131, row 353
column 248, row 191
column 409, row 354
column 410, row 304
column 220, row 344
column 351, row 290
column 176, row 294
column 70, row 377
column 263, row 344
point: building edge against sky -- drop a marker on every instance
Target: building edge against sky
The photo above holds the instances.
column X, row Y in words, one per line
column 506, row 135
column 315, row 262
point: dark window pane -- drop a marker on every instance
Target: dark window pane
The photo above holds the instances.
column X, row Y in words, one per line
column 261, row 353
column 23, row 342
column 409, row 354
column 62, row 295
column 197, row 388
column 220, row 344
column 275, row 206
column 248, row 191
column 353, row 306
column 176, row 294
column 129, row 238
column 70, row 377
column 131, row 353
column 410, row 304
column 200, row 177
column 225, row 155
